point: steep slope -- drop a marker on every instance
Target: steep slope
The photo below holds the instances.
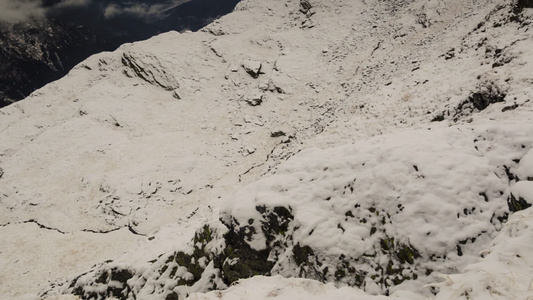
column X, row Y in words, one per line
column 35, row 53
column 422, row 110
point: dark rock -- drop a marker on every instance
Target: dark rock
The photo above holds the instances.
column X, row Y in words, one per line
column 239, row 260
column 277, row 134
column 517, row 204
column 253, row 68
column 438, row 118
column 302, row 254
column 255, row 101
column 482, row 100
column 477, row 101
column 510, row 107
column 449, row 54
column 510, row 175
column 35, row 53
column 172, row 296
column 305, row 6
column 422, row 20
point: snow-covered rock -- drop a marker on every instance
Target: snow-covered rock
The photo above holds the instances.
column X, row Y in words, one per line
column 374, row 144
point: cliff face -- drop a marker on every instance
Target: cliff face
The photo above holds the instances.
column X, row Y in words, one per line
column 33, row 54
column 374, row 144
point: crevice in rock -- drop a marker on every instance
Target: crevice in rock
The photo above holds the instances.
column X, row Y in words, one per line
column 44, row 226
column 376, row 48
column 215, row 52
column 133, row 230
column 130, row 227
column 268, row 157
column 102, row 231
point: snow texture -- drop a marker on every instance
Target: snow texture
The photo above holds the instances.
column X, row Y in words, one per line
column 381, row 146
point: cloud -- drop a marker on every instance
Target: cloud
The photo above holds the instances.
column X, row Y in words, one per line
column 142, row 10
column 20, row 10
column 139, row 10
column 71, row 3
column 13, row 11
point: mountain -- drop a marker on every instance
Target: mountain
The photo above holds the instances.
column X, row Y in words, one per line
column 37, row 51
column 341, row 150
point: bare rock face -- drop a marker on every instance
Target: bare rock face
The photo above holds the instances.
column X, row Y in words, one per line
column 148, row 68
column 39, row 52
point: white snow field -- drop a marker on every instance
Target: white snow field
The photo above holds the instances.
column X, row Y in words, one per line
column 347, row 149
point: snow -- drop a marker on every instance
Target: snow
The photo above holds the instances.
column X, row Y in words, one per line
column 435, row 188
column 133, row 151
column 277, row 287
column 523, row 189
column 504, row 273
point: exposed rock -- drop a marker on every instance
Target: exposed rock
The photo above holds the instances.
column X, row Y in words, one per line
column 150, row 69
column 253, row 68
column 520, row 197
column 277, row 134
column 422, row 20
column 477, row 101
column 216, row 267
column 482, row 99
column 517, row 204
column 510, row 107
column 255, row 101
column 305, row 6
column 449, row 54
column 40, row 50
column 176, row 95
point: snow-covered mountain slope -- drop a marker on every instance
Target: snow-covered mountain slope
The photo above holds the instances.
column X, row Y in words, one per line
column 60, row 34
column 374, row 144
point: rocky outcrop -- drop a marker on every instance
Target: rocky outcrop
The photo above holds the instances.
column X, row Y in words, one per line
column 148, row 68
column 217, row 258
column 486, row 93
column 330, row 221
